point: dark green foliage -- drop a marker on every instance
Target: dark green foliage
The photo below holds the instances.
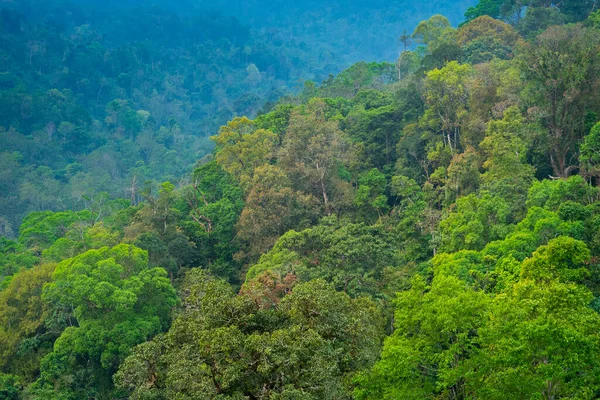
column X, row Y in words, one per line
column 354, row 257
column 375, row 125
column 213, row 204
column 232, row 346
column 512, row 10
column 9, row 387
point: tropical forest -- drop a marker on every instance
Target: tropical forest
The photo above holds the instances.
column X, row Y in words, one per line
column 310, row 200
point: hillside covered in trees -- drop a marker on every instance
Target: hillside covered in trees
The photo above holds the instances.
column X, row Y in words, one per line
column 112, row 98
column 426, row 228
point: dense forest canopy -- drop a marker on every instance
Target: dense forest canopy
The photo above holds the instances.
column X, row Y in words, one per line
column 263, row 203
column 115, row 97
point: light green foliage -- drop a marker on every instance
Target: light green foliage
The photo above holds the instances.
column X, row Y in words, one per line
column 41, row 229
column 79, row 238
column 110, row 301
column 505, row 145
column 590, row 153
column 464, row 264
column 452, row 339
column 241, row 148
column 370, row 195
column 551, row 194
column 446, row 95
column 435, row 32
column 276, row 120
column 476, row 221
column 435, row 333
column 439, row 188
column 500, row 261
column 546, row 225
column 540, row 341
column 13, row 258
column 564, row 258
column 502, row 322
column 22, row 318
column 594, row 19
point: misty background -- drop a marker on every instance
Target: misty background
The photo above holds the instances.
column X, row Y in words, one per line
column 105, row 99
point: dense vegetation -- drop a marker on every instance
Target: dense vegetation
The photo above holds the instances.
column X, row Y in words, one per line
column 114, row 97
column 427, row 229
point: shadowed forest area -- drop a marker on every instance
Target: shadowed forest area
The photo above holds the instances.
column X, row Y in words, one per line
column 109, row 99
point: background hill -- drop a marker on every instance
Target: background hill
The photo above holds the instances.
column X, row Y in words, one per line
column 113, row 96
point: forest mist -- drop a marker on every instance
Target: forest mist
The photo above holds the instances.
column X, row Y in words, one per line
column 99, row 95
